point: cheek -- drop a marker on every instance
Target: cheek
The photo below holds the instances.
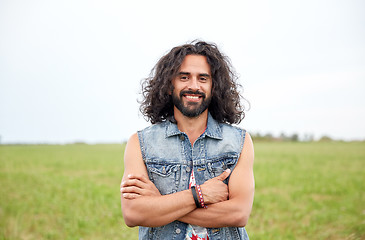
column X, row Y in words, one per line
column 208, row 89
column 174, row 92
column 178, row 87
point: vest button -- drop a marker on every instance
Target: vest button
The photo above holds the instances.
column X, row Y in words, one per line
column 182, row 137
column 178, row 231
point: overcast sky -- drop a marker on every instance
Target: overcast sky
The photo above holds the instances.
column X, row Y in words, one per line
column 71, row 70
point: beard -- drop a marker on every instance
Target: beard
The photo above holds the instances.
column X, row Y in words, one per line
column 193, row 109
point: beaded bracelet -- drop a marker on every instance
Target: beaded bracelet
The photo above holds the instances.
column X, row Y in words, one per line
column 197, row 203
column 201, row 199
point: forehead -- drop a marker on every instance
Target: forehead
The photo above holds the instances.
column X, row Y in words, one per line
column 195, row 64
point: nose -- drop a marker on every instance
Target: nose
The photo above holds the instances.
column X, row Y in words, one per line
column 194, row 84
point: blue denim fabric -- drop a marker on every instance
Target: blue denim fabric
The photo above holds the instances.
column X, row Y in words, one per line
column 170, row 158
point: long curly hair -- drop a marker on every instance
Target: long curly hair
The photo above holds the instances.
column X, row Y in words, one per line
column 225, row 106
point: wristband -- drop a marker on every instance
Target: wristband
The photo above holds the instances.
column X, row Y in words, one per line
column 195, row 196
column 201, row 199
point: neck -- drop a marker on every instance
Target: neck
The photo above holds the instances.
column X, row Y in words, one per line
column 193, row 127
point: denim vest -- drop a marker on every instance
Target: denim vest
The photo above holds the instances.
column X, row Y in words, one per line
column 169, row 158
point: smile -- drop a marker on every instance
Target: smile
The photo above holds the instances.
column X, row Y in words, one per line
column 192, row 97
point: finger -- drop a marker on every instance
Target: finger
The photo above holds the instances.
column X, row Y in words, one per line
column 133, row 182
column 139, row 177
column 132, row 192
column 130, row 195
column 224, row 175
column 130, row 189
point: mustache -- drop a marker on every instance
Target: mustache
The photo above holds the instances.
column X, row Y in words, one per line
column 192, row 92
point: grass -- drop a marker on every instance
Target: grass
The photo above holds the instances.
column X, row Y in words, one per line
column 61, row 192
column 309, row 191
column 303, row 191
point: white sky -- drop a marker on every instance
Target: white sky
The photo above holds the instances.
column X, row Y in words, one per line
column 71, row 70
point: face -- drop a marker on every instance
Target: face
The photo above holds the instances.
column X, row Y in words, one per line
column 192, row 86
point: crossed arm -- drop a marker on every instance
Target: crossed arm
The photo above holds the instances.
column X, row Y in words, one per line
column 143, row 205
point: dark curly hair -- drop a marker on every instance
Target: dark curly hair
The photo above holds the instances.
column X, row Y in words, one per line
column 225, row 106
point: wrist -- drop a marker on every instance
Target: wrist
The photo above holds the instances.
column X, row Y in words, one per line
column 200, row 195
column 195, row 196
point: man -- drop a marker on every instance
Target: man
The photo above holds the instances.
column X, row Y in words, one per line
column 190, row 174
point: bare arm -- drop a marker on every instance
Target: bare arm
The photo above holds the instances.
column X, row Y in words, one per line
column 235, row 211
column 150, row 209
column 143, row 205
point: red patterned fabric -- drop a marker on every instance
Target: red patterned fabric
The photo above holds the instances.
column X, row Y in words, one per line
column 194, row 232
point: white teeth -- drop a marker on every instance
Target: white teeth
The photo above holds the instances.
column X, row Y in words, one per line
column 193, row 97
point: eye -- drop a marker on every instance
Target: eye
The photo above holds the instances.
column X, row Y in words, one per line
column 203, row 79
column 184, row 78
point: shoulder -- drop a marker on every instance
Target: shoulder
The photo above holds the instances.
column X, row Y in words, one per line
column 152, row 139
column 234, row 133
column 247, row 152
column 133, row 162
column 152, row 129
column 226, row 128
column 133, row 143
column 248, row 144
column 240, row 135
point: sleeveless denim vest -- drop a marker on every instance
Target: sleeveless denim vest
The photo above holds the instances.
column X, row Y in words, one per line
column 169, row 158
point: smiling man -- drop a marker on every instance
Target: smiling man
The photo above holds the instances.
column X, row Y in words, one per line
column 190, row 174
column 192, row 86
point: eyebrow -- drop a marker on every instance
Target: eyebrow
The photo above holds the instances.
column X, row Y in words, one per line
column 204, row 75
column 201, row 75
column 184, row 73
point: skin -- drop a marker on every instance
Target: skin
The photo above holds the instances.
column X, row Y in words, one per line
column 142, row 203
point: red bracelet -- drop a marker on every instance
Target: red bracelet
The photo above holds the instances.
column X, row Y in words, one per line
column 201, row 200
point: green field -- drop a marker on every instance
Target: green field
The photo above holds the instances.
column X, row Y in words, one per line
column 303, row 191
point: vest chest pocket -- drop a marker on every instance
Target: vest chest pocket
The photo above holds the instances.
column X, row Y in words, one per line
column 165, row 176
column 217, row 166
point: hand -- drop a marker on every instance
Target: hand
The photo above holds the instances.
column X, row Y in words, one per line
column 215, row 190
column 136, row 186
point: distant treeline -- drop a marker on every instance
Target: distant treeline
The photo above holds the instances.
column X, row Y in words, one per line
column 289, row 138
column 267, row 137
